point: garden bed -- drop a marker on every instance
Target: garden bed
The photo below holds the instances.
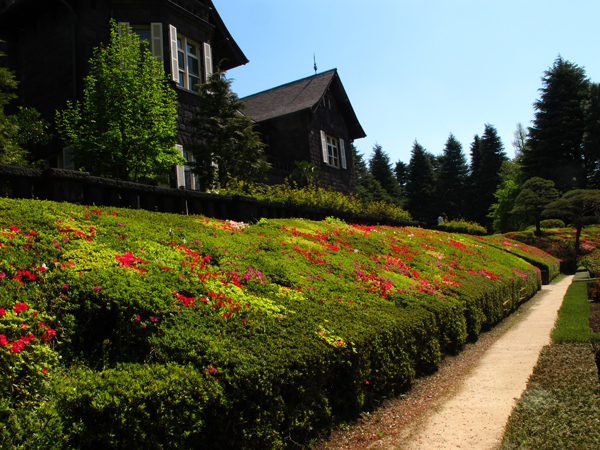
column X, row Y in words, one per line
column 162, row 330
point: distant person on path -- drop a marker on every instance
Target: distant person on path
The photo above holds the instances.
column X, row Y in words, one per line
column 441, row 219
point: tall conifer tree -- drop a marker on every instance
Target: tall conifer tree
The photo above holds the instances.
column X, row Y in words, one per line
column 420, row 186
column 486, row 176
column 555, row 146
column 452, row 179
column 381, row 169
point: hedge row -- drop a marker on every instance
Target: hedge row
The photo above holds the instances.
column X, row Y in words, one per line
column 188, row 332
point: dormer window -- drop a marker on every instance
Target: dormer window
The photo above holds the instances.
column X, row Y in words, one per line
column 326, row 102
column 188, row 63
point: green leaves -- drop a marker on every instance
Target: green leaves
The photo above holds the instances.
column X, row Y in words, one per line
column 126, row 126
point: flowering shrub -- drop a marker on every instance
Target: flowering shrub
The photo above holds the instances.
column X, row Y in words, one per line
column 278, row 326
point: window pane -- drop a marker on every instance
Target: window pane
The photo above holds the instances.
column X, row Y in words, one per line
column 191, row 48
column 193, row 66
column 193, row 81
column 181, row 79
column 181, row 60
column 179, row 44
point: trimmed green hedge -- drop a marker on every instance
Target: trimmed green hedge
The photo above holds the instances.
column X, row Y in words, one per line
column 190, row 332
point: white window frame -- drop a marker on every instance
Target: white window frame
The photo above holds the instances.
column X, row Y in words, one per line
column 180, row 170
column 156, row 36
column 334, row 151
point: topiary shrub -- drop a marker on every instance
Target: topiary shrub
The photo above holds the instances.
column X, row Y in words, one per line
column 552, row 223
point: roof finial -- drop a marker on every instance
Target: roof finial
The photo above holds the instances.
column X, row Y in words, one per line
column 315, row 60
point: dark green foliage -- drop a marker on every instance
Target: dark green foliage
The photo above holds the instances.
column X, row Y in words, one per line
column 561, row 406
column 591, row 136
column 294, row 322
column 420, row 186
column 486, row 163
column 226, row 146
column 555, row 147
column 381, row 169
column 305, row 174
column 552, row 223
column 126, row 126
column 535, row 195
column 506, row 196
column 452, row 179
column 368, row 188
column 34, row 132
column 10, row 152
column 572, row 325
column 580, row 207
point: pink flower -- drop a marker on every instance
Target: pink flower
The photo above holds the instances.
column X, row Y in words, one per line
column 2, row 275
column 65, row 286
column 97, row 289
column 2, row 312
column 44, row 370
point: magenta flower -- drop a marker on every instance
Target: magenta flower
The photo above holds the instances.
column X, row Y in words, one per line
column 97, row 289
column 2, row 275
column 65, row 286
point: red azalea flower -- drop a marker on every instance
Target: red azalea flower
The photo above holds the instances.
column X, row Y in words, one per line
column 19, row 307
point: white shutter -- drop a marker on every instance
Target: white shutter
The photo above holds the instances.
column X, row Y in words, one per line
column 68, row 163
column 123, row 28
column 174, row 60
column 180, row 170
column 208, row 65
column 156, row 33
column 343, row 154
column 324, row 147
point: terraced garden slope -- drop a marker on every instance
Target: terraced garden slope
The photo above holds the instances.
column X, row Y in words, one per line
column 123, row 328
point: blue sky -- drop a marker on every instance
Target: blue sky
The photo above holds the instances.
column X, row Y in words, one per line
column 417, row 70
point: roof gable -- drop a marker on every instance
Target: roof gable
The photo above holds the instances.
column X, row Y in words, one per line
column 300, row 95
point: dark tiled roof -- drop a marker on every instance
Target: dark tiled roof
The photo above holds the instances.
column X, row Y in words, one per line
column 288, row 98
column 302, row 95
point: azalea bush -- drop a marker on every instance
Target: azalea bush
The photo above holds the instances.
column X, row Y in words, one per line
column 463, row 226
column 176, row 331
column 560, row 243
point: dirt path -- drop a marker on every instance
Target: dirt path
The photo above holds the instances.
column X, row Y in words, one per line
column 467, row 403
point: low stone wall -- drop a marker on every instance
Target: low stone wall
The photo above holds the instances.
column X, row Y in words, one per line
column 80, row 187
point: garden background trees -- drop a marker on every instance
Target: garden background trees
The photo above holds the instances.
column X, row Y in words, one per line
column 126, row 126
column 535, row 195
column 555, row 149
column 226, row 145
column 487, row 158
column 451, row 179
column 420, row 186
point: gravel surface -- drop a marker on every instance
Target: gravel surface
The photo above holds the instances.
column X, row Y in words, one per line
column 399, row 420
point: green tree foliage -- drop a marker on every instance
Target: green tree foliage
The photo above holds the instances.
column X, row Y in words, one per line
column 535, row 195
column 485, row 175
column 34, row 132
column 126, row 127
column 591, row 136
column 401, row 172
column 368, row 188
column 305, row 174
column 227, row 146
column 555, row 145
column 580, row 207
column 381, row 169
column 452, row 178
column 420, row 187
column 10, row 152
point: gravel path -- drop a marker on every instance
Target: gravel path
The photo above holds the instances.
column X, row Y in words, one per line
column 466, row 404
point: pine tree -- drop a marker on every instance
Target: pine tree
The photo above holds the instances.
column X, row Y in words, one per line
column 381, row 169
column 367, row 188
column 555, row 145
column 591, row 136
column 227, row 146
column 536, row 194
column 451, row 181
column 420, row 186
column 485, row 179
